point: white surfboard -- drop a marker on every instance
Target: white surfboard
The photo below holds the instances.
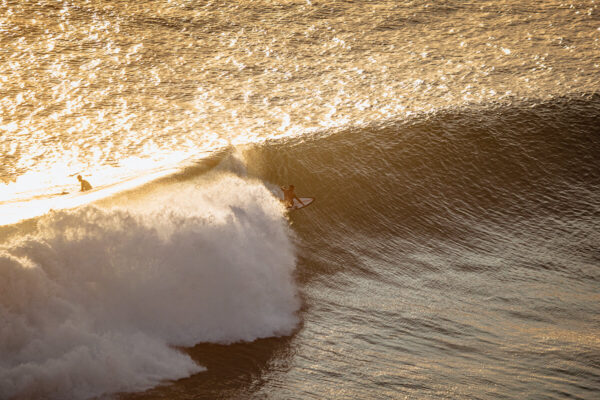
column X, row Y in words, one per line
column 297, row 205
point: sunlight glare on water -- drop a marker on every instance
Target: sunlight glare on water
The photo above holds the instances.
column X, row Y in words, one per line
column 110, row 90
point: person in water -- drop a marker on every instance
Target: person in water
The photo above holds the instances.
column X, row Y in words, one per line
column 85, row 185
column 289, row 196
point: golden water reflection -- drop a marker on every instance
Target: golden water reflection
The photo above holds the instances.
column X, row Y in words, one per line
column 112, row 89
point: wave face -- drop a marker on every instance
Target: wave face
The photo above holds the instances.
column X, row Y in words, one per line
column 527, row 159
column 447, row 254
column 93, row 301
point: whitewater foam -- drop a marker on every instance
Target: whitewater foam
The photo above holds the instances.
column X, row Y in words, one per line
column 95, row 300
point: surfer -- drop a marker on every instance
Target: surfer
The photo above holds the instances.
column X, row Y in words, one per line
column 85, row 185
column 289, row 196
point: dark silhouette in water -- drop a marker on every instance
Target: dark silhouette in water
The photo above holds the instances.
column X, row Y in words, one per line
column 85, row 185
column 289, row 196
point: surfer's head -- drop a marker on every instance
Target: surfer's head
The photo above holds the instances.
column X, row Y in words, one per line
column 79, row 177
column 291, row 187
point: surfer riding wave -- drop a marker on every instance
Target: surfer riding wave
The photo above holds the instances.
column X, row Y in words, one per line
column 289, row 196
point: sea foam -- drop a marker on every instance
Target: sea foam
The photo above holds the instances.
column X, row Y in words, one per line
column 95, row 300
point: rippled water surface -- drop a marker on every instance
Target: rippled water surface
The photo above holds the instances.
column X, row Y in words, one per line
column 452, row 250
column 115, row 88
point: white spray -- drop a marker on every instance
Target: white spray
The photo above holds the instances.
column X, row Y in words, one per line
column 94, row 302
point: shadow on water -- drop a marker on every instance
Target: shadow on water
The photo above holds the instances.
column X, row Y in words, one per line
column 233, row 371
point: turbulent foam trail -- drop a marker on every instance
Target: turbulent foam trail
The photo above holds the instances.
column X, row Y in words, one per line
column 93, row 301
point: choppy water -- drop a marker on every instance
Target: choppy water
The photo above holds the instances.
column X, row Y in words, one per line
column 452, row 252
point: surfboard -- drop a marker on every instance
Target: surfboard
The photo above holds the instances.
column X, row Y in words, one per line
column 297, row 205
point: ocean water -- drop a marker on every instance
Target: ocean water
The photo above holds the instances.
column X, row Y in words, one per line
column 453, row 149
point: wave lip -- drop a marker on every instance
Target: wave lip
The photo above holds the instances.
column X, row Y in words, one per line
column 94, row 301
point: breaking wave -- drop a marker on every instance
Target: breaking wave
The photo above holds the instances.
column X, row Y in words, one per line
column 96, row 300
